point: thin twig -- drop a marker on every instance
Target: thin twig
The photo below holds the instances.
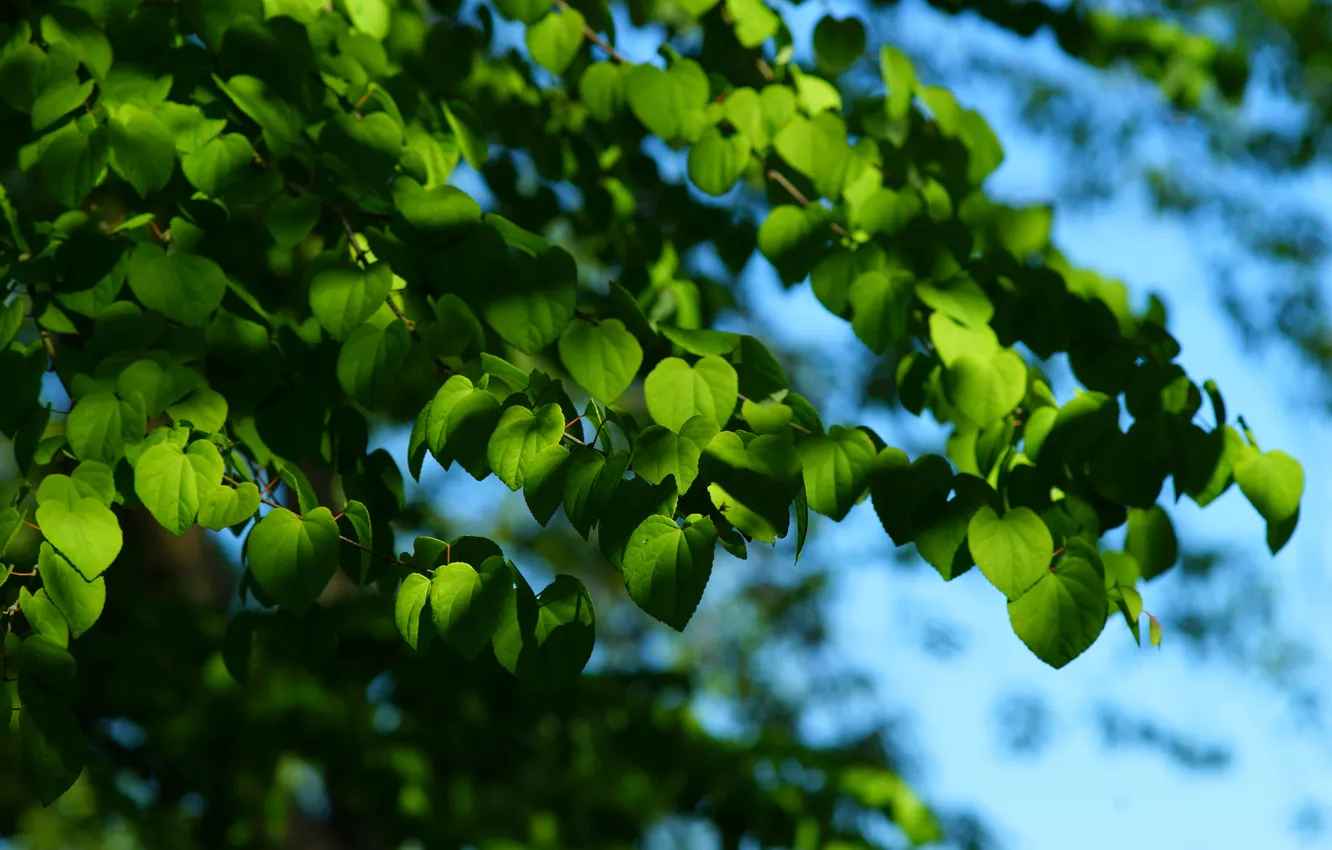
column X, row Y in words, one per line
column 351, row 234
column 596, row 37
column 780, row 179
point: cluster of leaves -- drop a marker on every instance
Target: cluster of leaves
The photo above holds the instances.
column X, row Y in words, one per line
column 228, row 232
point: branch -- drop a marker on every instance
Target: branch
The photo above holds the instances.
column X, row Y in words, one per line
column 780, row 179
column 596, row 37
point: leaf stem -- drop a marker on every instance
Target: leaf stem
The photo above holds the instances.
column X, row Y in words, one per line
column 596, row 37
column 780, row 179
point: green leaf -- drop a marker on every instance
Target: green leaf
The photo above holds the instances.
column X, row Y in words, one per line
column 837, row 469
column 170, row 482
column 986, row 390
column 52, row 747
column 526, row 11
column 546, row 640
column 716, row 161
column 702, row 341
column 554, row 41
column 1061, row 615
column 838, row 44
column 411, row 611
column 292, row 557
column 186, row 288
column 58, row 100
column 290, row 218
column 590, row 478
column 659, row 452
column 519, row 437
column 370, row 17
column 627, row 504
column 835, row 274
column 669, row 103
column 45, row 619
column 218, row 164
column 755, row 23
column 881, row 304
column 188, row 125
column 534, row 303
column 1151, row 540
column 817, row 148
column 755, row 483
column 370, row 358
column 603, row 357
column 459, row 426
column 602, row 89
column 676, row 391
column 142, row 149
column 72, row 163
column 369, row 145
column 443, row 211
column 793, row 239
column 470, row 138
column 82, row 528
column 900, row 77
column 343, row 297
column 206, row 410
column 224, row 507
column 1273, row 482
column 1012, row 551
column 467, row 604
column 47, row 661
column 79, row 600
column 666, row 567
column 543, row 489
column 298, row 483
column 769, row 417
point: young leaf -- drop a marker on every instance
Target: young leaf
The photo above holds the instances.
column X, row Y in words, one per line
column 81, row 528
column 666, row 567
column 837, row 469
column 660, row 452
column 603, row 357
column 1013, row 551
column 343, row 297
column 677, row 391
column 79, row 600
column 292, row 557
column 411, row 611
column 1061, row 615
column 519, row 437
column 467, row 604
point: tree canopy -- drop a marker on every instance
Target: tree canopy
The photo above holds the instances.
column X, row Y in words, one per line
column 238, row 243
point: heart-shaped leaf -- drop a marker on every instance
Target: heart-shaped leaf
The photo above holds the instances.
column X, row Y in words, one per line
column 411, row 611
column 170, row 482
column 553, row 41
column 519, row 437
column 186, row 288
column 716, row 161
column 603, row 357
column 838, row 44
column 79, row 600
column 467, row 604
column 666, row 567
column 677, row 391
column 837, row 469
column 345, row 296
column 82, row 528
column 1012, row 551
column 1061, row 615
column 224, row 507
column 660, row 452
column 292, row 557
column 1273, row 482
